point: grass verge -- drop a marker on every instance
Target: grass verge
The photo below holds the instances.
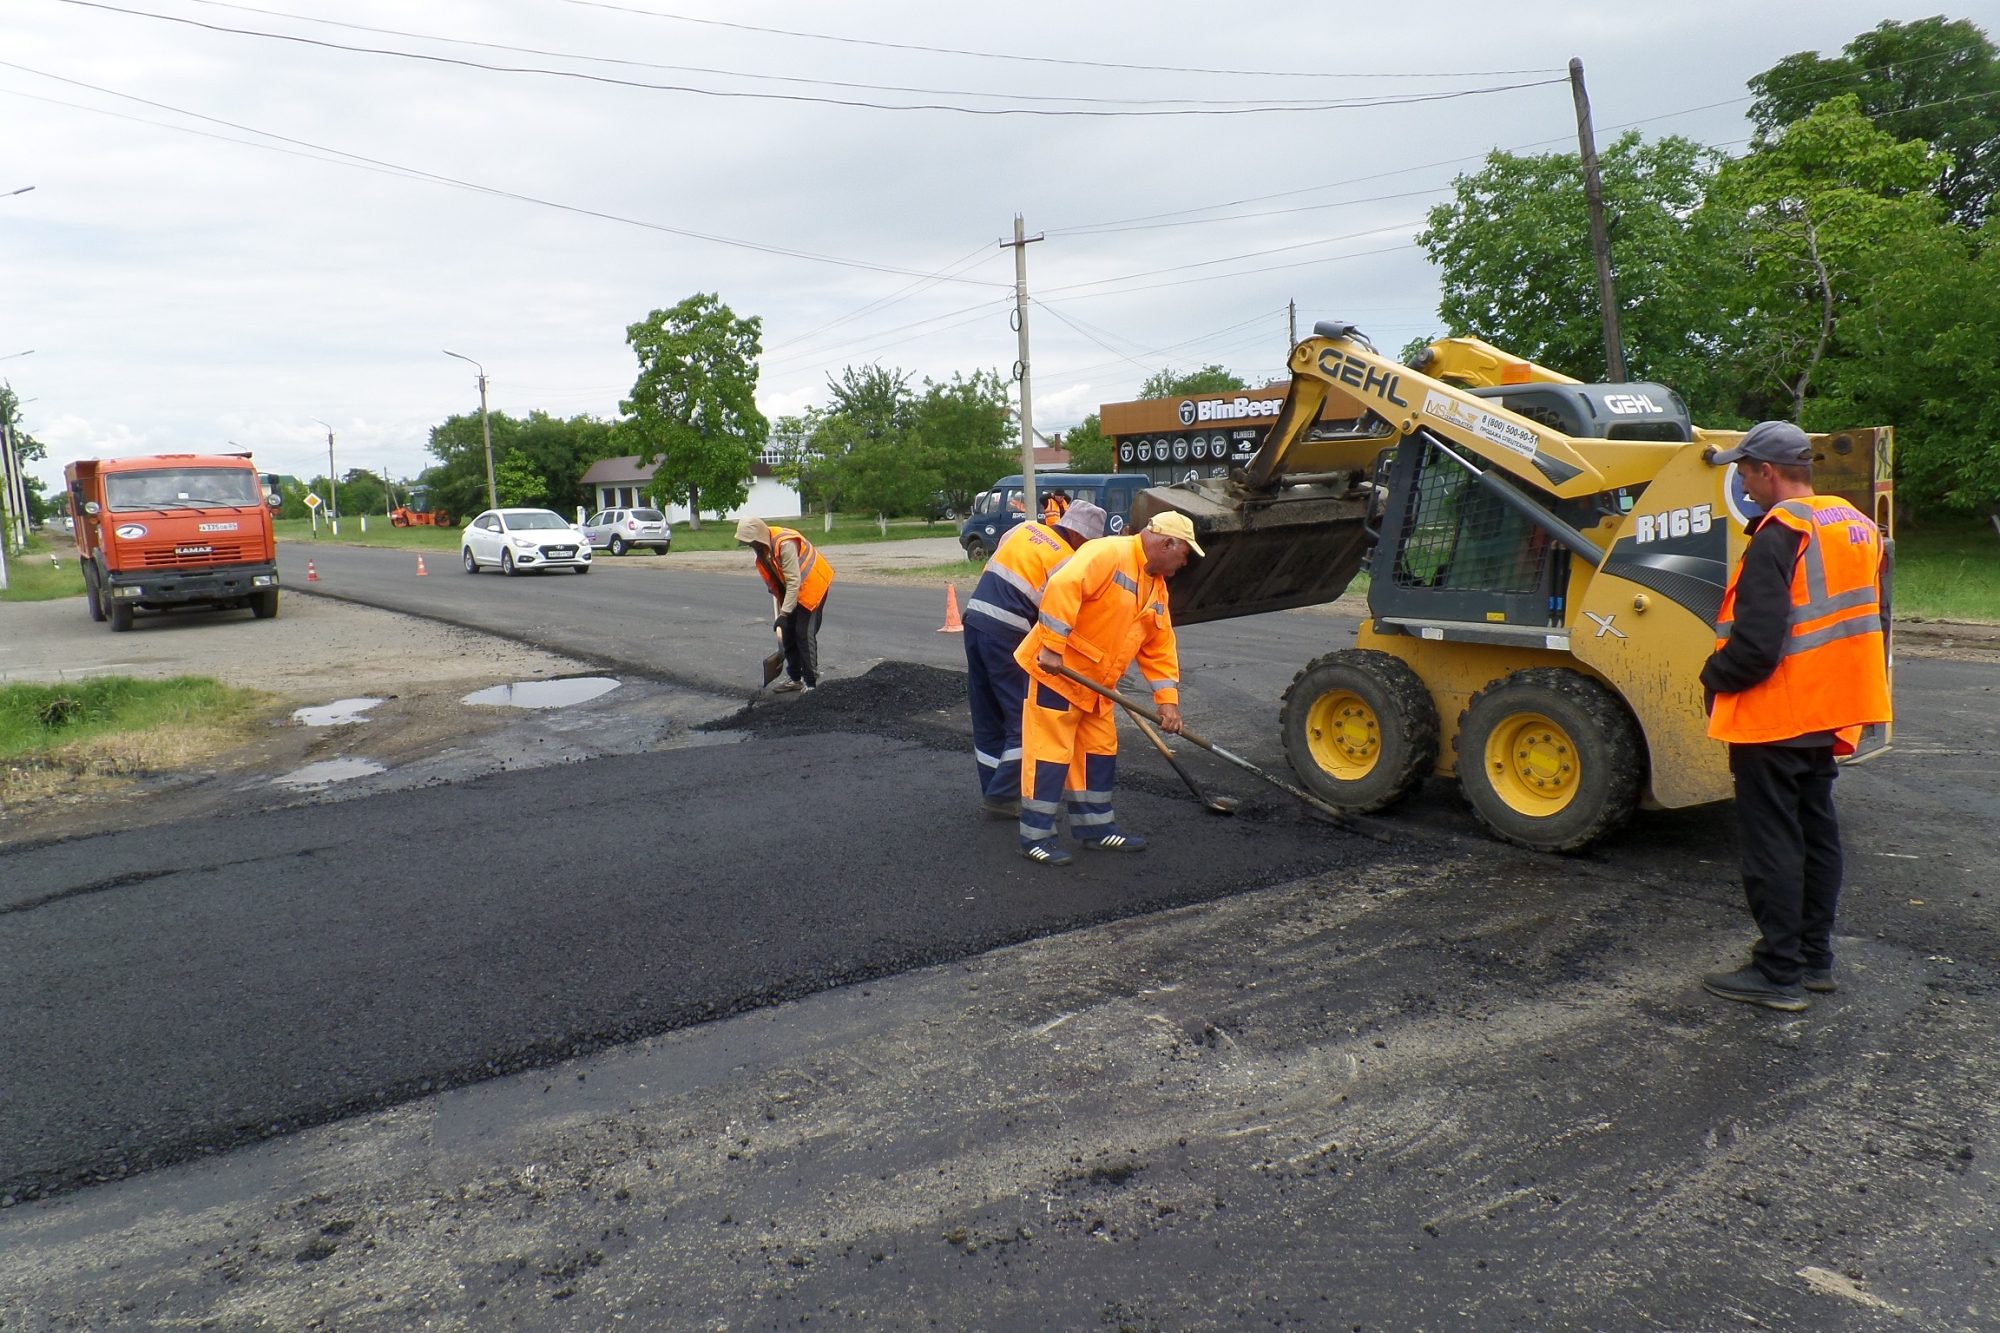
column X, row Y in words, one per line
column 1948, row 569
column 85, row 734
column 31, row 577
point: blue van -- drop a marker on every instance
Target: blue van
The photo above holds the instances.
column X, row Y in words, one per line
column 996, row 510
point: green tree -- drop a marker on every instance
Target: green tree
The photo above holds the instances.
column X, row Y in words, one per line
column 800, row 464
column 863, row 442
column 28, row 450
column 693, row 409
column 1514, row 252
column 458, row 482
column 1932, row 79
column 518, row 483
column 361, row 492
column 963, row 434
column 561, row 451
column 1170, row 383
column 1090, row 450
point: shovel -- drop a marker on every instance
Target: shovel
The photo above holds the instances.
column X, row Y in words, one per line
column 1145, row 711
column 775, row 663
column 1216, row 805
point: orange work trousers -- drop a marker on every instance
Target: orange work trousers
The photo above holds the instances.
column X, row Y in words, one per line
column 1068, row 756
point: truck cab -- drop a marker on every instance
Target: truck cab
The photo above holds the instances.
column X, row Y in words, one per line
column 998, row 509
column 173, row 530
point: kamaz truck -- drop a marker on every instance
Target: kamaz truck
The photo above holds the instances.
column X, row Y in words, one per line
column 173, row 530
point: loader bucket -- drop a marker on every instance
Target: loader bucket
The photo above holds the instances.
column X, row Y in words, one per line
column 1266, row 550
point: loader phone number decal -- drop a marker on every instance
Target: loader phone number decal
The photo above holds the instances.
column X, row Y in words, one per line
column 1515, row 439
column 1690, row 522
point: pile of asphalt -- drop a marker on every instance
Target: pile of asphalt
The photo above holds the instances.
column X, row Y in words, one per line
column 902, row 700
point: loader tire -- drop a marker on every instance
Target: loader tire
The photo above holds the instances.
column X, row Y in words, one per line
column 1360, row 729
column 1549, row 759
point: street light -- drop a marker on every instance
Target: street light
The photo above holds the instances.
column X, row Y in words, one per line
column 332, row 478
column 485, row 429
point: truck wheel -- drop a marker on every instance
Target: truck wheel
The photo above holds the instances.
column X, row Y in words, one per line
column 617, row 546
column 1360, row 729
column 264, row 605
column 121, row 617
column 471, row 565
column 507, row 564
column 1549, row 759
column 976, row 549
column 91, row 601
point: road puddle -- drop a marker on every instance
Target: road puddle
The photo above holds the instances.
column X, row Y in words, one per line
column 339, row 713
column 543, row 693
column 327, row 772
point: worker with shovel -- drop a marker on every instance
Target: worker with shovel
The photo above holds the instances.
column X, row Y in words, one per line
column 1106, row 606
column 998, row 615
column 798, row 577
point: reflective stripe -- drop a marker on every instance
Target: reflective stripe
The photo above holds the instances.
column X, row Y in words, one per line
column 1826, row 606
column 980, row 606
column 1159, row 685
column 1090, row 797
column 1159, row 609
column 1019, row 582
column 985, row 760
column 1041, row 807
column 1846, row 629
column 1085, row 818
column 1054, row 624
column 1124, row 580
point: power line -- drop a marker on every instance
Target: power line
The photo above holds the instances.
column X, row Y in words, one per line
column 1049, row 60
column 1336, row 104
column 1230, row 259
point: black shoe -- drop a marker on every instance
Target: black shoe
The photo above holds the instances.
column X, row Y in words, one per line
column 1041, row 853
column 1118, row 842
column 1819, row 979
column 1749, row 985
column 1001, row 809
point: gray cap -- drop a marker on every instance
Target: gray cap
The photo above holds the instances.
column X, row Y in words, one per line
column 1083, row 518
column 1769, row 442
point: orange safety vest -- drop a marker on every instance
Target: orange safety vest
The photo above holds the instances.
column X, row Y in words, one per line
column 1100, row 610
column 1834, row 673
column 1054, row 508
column 815, row 573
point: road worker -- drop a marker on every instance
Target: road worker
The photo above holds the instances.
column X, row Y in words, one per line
column 798, row 577
column 1800, row 667
column 1104, row 607
column 1055, row 507
column 999, row 614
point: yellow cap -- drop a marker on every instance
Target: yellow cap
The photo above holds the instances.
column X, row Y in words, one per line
column 1171, row 524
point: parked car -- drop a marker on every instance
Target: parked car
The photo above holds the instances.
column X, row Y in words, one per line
column 619, row 530
column 517, row 540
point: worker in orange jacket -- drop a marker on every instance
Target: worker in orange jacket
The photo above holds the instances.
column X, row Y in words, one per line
column 1055, row 507
column 798, row 577
column 998, row 615
column 1104, row 607
column 1800, row 666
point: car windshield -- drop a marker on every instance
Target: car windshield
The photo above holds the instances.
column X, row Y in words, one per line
column 648, row 515
column 168, row 488
column 540, row 518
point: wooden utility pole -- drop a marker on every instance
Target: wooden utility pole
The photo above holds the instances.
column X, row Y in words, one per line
column 1600, row 236
column 1292, row 309
column 1020, row 245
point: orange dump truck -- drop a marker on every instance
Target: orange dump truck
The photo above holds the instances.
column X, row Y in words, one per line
column 173, row 530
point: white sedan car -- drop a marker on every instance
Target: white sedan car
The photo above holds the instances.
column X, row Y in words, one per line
column 516, row 540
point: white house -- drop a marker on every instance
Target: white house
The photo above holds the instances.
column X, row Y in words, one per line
column 622, row 483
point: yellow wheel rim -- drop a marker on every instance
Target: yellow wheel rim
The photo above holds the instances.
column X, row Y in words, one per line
column 1533, row 764
column 1344, row 735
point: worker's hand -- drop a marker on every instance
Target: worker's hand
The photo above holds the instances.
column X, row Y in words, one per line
column 1170, row 719
column 779, row 624
column 1048, row 659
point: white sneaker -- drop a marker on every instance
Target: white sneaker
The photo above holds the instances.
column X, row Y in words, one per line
column 788, row 687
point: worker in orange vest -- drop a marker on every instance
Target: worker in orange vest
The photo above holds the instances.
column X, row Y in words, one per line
column 998, row 615
column 1800, row 666
column 798, row 577
column 1055, row 507
column 1105, row 606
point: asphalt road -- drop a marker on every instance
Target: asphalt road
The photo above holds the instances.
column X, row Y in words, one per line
column 1426, row 1082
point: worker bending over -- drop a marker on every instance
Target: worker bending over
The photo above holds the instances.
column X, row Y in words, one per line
column 1001, row 611
column 1104, row 607
column 1800, row 667
column 798, row 577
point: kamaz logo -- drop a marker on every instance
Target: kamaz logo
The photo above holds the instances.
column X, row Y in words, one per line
column 194, row 550
column 1228, row 409
column 1629, row 404
column 1356, row 374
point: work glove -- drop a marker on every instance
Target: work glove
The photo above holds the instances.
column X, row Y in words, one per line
column 779, row 624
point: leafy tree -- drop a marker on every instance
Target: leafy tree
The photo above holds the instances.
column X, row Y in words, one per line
column 863, row 442
column 1932, row 79
column 800, row 464
column 962, row 434
column 1090, row 450
column 458, row 483
column 693, row 409
column 1513, row 246
column 517, row 482
column 28, row 450
column 560, row 452
column 361, row 492
column 1169, row 383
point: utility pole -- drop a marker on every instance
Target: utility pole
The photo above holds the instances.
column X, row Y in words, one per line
column 6, row 457
column 1293, row 325
column 332, row 479
column 1020, row 245
column 486, row 433
column 1600, row 236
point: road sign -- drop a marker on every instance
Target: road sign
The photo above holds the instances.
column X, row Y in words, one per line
column 312, row 501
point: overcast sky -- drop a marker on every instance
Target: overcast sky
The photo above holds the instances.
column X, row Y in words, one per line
column 234, row 236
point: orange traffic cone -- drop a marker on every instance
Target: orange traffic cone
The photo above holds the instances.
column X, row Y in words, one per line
column 421, row 571
column 952, row 624
column 312, row 575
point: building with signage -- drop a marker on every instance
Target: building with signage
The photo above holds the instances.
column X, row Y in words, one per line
column 1204, row 435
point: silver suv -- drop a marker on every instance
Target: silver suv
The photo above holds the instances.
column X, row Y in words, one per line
column 619, row 530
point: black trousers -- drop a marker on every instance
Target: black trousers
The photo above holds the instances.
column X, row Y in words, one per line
column 800, row 629
column 1791, row 853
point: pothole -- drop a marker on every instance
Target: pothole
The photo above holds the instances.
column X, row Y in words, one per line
column 327, row 772
column 339, row 713
column 543, row 693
